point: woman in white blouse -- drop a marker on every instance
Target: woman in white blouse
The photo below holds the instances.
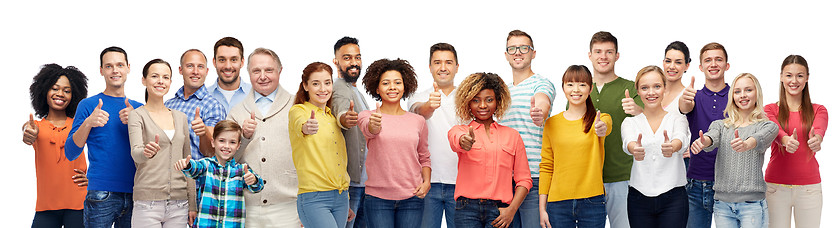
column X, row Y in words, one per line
column 656, row 139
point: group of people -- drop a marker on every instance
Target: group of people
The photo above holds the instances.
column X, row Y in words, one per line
column 645, row 153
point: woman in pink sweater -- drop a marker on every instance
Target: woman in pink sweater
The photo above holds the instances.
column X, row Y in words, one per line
column 793, row 174
column 398, row 165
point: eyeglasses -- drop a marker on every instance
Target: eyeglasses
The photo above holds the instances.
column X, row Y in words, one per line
column 524, row 49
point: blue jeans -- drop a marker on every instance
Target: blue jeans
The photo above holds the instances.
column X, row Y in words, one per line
column 57, row 218
column 616, row 198
column 528, row 215
column 669, row 209
column 382, row 213
column 441, row 197
column 588, row 212
column 357, row 202
column 103, row 208
column 750, row 214
column 701, row 203
column 323, row 209
column 476, row 213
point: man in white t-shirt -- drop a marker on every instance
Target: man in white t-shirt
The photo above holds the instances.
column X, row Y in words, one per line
column 437, row 105
column 228, row 60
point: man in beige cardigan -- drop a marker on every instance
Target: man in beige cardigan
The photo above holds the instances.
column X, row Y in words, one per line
column 264, row 117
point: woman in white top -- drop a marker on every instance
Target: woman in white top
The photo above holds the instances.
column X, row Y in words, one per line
column 675, row 64
column 656, row 139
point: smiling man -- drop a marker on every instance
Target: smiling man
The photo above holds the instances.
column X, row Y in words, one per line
column 228, row 60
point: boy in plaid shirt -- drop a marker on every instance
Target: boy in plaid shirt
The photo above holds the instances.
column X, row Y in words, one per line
column 222, row 199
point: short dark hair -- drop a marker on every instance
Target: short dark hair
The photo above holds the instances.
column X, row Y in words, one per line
column 46, row 78
column 518, row 32
column 111, row 49
column 681, row 47
column 601, row 37
column 442, row 47
column 344, row 41
column 226, row 125
column 376, row 69
column 231, row 42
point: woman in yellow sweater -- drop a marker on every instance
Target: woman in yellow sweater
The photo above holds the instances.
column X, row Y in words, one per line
column 571, row 184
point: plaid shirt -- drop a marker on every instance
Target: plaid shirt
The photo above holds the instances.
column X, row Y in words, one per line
column 211, row 112
column 222, row 200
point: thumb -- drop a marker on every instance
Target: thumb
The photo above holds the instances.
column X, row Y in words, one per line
column 533, row 102
column 435, row 85
column 351, row 107
column 197, row 113
column 253, row 116
column 128, row 104
column 100, row 104
column 810, row 135
column 157, row 138
column 598, row 116
column 794, row 134
column 736, row 134
column 245, row 167
column 312, row 116
column 377, row 106
column 640, row 139
column 626, row 93
column 691, row 84
column 702, row 139
column 472, row 133
column 189, row 157
column 666, row 136
column 32, row 122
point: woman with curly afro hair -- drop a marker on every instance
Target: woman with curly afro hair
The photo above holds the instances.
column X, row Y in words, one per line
column 491, row 157
column 398, row 165
column 55, row 92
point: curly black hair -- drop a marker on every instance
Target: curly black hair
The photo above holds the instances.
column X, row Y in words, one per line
column 46, row 78
column 376, row 69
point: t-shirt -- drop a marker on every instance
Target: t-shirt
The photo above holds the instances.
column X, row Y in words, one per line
column 708, row 107
column 444, row 161
column 608, row 100
column 518, row 116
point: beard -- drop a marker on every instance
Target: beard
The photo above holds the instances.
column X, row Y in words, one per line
column 350, row 78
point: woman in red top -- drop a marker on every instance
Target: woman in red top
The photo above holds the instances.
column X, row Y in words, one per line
column 490, row 156
column 793, row 174
column 55, row 92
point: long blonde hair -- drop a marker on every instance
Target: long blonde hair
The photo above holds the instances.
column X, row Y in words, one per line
column 731, row 112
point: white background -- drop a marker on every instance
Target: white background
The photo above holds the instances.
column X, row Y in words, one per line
column 758, row 36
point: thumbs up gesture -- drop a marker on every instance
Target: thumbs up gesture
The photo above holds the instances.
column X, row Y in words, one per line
column 124, row 112
column 737, row 143
column 467, row 140
column 600, row 126
column 434, row 97
column 668, row 147
column 814, row 141
column 375, row 124
column 152, row 148
column 629, row 105
column 351, row 117
column 98, row 117
column 792, row 143
column 689, row 93
column 30, row 131
column 537, row 113
column 198, row 124
column 310, row 127
column 249, row 177
column 700, row 143
column 183, row 163
column 636, row 149
column 249, row 126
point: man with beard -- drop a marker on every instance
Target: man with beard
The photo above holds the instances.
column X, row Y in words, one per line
column 347, row 102
column 227, row 59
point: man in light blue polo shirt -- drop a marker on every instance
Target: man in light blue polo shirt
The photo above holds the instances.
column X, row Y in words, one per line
column 228, row 60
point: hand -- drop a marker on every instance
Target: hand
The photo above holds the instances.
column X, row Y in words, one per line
column 422, row 190
column 689, row 93
column 249, row 177
column 192, row 217
column 124, row 112
column 792, row 143
column 198, row 124
column 505, row 217
column 152, row 148
column 98, row 117
column 814, row 141
column 699, row 144
column 537, row 113
column 668, row 148
column 351, row 117
column 80, row 179
column 30, row 131
column 544, row 222
column 310, row 127
column 434, row 97
column 350, row 215
column 636, row 149
column 738, row 144
column 629, row 105
column 249, row 126
column 600, row 126
column 375, row 124
column 183, row 163
column 466, row 141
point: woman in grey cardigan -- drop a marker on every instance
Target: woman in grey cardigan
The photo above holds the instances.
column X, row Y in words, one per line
column 159, row 136
column 741, row 138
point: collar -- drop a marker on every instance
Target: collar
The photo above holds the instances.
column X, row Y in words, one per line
column 311, row 106
column 200, row 93
column 244, row 87
column 270, row 97
column 477, row 126
column 215, row 161
column 722, row 93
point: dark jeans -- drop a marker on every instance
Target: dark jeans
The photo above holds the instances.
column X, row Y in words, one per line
column 441, row 197
column 57, row 218
column 382, row 213
column 588, row 212
column 701, row 203
column 476, row 213
column 102, row 209
column 528, row 215
column 357, row 204
column 669, row 209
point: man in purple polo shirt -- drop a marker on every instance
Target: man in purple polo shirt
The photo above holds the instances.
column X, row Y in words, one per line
column 701, row 108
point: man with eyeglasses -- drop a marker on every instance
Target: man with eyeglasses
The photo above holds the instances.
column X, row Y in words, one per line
column 531, row 98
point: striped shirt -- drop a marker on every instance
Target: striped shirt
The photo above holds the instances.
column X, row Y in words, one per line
column 518, row 116
column 222, row 199
column 211, row 112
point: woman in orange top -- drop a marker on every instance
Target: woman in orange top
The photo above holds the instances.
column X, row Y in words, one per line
column 55, row 92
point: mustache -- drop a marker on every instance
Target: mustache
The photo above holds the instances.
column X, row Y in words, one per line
column 352, row 67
